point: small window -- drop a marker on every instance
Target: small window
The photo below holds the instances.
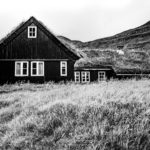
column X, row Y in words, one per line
column 21, row 68
column 37, row 68
column 63, row 68
column 77, row 76
column 101, row 76
column 85, row 77
column 32, row 32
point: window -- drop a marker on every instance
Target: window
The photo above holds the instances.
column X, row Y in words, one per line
column 101, row 76
column 37, row 68
column 85, row 76
column 77, row 76
column 32, row 32
column 63, row 68
column 21, row 68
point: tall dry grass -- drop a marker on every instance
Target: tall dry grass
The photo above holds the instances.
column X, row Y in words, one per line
column 112, row 115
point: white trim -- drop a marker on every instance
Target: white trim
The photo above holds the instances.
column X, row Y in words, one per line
column 63, row 64
column 29, row 27
column 37, row 68
column 75, row 76
column 104, row 77
column 21, row 68
column 85, row 76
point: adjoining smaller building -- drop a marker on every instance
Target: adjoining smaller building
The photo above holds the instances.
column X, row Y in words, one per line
column 93, row 72
column 86, row 71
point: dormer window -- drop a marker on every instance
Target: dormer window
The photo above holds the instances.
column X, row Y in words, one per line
column 32, row 32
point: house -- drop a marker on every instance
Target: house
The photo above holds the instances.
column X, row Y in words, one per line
column 91, row 74
column 100, row 72
column 32, row 53
column 90, row 71
column 86, row 72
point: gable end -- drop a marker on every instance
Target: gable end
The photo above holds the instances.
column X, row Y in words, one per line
column 43, row 28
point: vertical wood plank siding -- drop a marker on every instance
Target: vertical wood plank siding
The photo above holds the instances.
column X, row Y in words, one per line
column 41, row 47
column 94, row 74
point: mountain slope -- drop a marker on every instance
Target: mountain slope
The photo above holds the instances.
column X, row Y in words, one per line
column 131, row 39
column 127, row 50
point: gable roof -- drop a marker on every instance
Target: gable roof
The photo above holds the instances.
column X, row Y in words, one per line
column 22, row 26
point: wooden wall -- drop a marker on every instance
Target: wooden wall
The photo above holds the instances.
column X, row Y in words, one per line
column 41, row 47
column 94, row 74
column 46, row 47
column 52, row 72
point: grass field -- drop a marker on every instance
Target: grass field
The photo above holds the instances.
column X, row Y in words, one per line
column 112, row 115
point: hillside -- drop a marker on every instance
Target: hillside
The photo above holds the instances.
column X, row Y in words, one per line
column 113, row 115
column 137, row 38
column 129, row 49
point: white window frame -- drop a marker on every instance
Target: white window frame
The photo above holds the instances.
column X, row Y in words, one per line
column 21, row 69
column 77, row 74
column 29, row 27
column 37, row 69
column 104, row 77
column 63, row 65
column 84, row 75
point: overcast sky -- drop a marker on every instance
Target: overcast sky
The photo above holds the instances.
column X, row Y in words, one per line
column 83, row 20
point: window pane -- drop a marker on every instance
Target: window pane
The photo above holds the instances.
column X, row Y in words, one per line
column 76, row 73
column 24, row 65
column 87, row 76
column 77, row 77
column 32, row 32
column 101, row 76
column 41, row 67
column 64, row 68
column 24, row 71
column 83, row 76
column 37, row 68
column 18, row 68
column 63, row 64
column 21, row 68
column 34, row 71
column 33, row 65
column 63, row 71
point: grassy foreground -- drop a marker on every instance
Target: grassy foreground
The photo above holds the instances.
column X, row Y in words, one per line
column 112, row 115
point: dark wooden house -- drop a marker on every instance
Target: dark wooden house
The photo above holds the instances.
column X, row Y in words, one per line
column 32, row 53
column 102, row 72
column 85, row 73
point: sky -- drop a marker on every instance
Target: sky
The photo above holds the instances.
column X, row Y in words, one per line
column 83, row 20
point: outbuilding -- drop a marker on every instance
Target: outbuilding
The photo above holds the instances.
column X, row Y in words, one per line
column 93, row 72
